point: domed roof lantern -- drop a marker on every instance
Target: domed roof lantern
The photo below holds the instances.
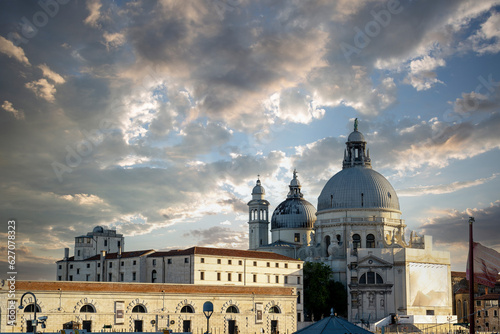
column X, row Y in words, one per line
column 295, row 187
column 355, row 153
column 258, row 191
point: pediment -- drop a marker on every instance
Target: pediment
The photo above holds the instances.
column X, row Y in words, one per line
column 373, row 261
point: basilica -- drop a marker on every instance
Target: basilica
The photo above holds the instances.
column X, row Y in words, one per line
column 358, row 231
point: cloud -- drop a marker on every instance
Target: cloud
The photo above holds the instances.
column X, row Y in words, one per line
column 487, row 38
column 7, row 106
column 48, row 73
column 94, row 8
column 452, row 227
column 422, row 75
column 217, row 236
column 443, row 188
column 42, row 88
column 8, row 48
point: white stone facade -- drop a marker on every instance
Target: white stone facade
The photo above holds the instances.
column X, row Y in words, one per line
column 153, row 307
column 359, row 233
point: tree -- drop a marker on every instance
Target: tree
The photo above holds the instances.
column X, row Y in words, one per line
column 321, row 292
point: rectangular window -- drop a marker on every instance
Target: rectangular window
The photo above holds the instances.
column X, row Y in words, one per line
column 78, row 271
column 218, row 276
column 268, row 264
column 98, row 277
column 255, row 278
column 286, row 266
column 88, row 265
column 218, row 261
column 298, row 317
column 298, row 266
column 119, row 244
column 229, row 261
column 78, row 253
column 122, row 277
column 105, row 243
column 229, row 277
column 202, row 276
column 60, row 267
column 255, row 263
column 202, row 260
column 298, row 297
column 478, row 302
column 70, row 266
column 298, row 280
column 240, row 262
column 122, row 263
column 99, row 265
column 240, row 277
column 286, row 279
column 169, row 261
column 59, row 278
column 429, row 312
column 134, row 263
column 111, row 264
column 495, row 312
column 268, row 279
column 110, row 277
column 277, row 279
column 154, row 262
column 186, row 260
column 277, row 265
column 70, row 277
column 296, row 237
column 134, row 276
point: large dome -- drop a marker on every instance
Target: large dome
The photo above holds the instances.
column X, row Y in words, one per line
column 358, row 187
column 294, row 213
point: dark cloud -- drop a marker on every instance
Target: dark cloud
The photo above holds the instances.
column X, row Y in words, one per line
column 454, row 228
column 217, row 236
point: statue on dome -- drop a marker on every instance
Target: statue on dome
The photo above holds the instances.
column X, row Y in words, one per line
column 356, row 124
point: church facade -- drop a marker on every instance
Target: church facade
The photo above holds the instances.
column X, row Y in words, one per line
column 358, row 231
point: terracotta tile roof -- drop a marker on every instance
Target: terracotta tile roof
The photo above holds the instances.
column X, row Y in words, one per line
column 42, row 286
column 224, row 252
column 458, row 274
column 489, row 296
column 111, row 256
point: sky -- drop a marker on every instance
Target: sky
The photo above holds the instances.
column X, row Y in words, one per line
column 156, row 118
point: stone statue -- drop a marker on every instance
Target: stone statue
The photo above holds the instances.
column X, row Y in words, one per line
column 356, row 124
column 313, row 242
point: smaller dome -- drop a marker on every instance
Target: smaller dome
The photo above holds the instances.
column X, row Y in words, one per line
column 258, row 189
column 98, row 229
column 294, row 213
column 356, row 136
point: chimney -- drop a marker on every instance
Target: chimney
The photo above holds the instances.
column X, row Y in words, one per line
column 66, row 253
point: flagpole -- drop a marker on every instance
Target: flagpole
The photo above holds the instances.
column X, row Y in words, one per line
column 472, row 311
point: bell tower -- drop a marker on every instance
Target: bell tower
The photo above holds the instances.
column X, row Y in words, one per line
column 258, row 218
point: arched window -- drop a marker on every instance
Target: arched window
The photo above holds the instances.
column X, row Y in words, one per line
column 274, row 309
column 187, row 309
column 371, row 278
column 327, row 244
column 370, row 241
column 153, row 276
column 31, row 308
column 356, row 241
column 87, row 308
column 232, row 309
column 139, row 309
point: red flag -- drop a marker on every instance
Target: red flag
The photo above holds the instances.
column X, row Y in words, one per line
column 486, row 265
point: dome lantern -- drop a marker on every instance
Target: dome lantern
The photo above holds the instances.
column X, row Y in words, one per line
column 355, row 153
